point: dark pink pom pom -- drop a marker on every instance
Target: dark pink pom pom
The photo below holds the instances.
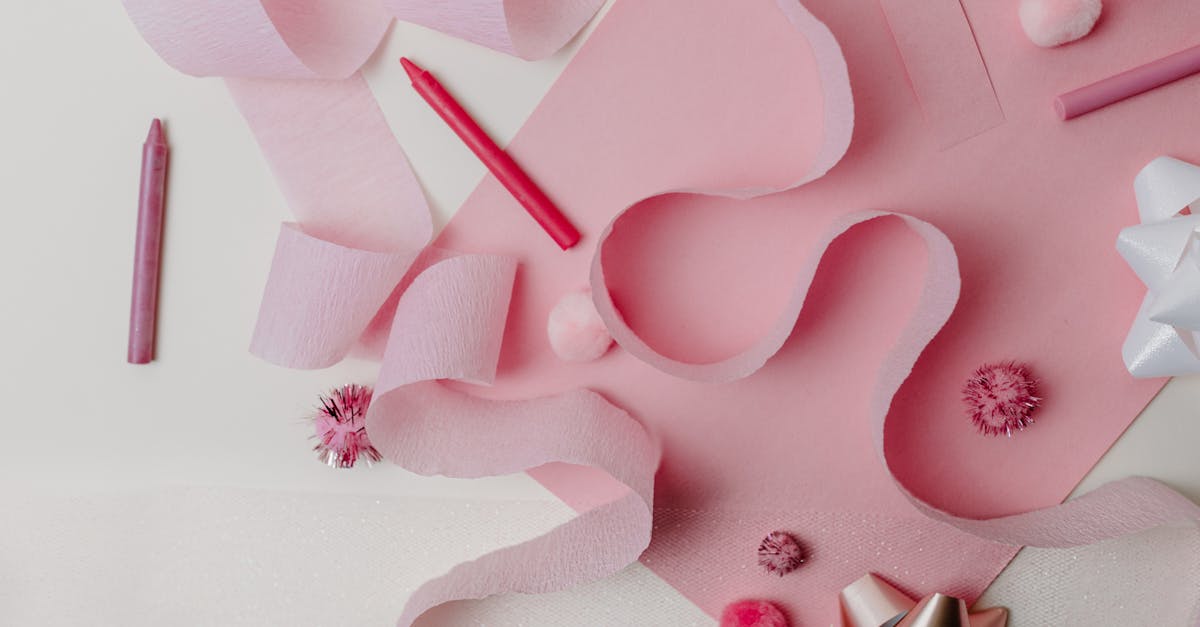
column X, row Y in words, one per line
column 752, row 613
column 1001, row 398
column 341, row 430
column 780, row 553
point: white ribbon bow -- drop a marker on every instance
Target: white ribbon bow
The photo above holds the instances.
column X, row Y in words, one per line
column 1164, row 252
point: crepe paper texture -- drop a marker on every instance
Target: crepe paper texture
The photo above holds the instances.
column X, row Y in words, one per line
column 332, row 38
column 947, row 72
column 448, row 325
column 703, row 292
column 1163, row 252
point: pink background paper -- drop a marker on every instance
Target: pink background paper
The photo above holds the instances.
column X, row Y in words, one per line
column 702, row 279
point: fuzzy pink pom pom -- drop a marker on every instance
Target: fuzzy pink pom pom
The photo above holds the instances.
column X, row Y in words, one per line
column 751, row 613
column 1001, row 398
column 575, row 329
column 340, row 427
column 1050, row 23
column 780, row 553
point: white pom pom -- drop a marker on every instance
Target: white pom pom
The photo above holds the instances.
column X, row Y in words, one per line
column 1050, row 23
column 575, row 329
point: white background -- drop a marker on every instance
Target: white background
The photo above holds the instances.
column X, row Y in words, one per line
column 80, row 89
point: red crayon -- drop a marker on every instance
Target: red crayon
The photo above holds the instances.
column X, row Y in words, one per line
column 144, row 302
column 502, row 166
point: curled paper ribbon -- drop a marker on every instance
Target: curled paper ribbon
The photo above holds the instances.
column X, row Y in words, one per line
column 448, row 325
column 333, row 38
column 1164, row 252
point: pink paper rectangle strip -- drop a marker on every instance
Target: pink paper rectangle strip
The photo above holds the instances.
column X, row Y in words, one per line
column 947, row 71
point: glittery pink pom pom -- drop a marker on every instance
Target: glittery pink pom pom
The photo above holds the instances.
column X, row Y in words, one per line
column 341, row 430
column 1001, row 398
column 751, row 613
column 780, row 553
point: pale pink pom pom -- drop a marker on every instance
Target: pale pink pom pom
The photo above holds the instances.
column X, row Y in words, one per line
column 780, row 553
column 752, row 613
column 575, row 329
column 1001, row 398
column 1050, row 23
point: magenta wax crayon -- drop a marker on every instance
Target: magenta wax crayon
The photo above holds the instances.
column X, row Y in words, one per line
column 147, row 251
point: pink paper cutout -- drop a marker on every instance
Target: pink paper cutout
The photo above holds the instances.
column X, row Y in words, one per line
column 946, row 70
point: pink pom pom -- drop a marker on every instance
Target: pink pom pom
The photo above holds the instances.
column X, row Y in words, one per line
column 751, row 613
column 780, row 553
column 1001, row 398
column 1050, row 23
column 341, row 427
column 575, row 329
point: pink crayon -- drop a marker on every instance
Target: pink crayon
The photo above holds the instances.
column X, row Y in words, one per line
column 1128, row 84
column 144, row 304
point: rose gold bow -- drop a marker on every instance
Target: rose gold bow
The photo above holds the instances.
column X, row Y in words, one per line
column 872, row 602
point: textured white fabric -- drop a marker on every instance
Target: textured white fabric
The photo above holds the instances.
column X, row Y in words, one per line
column 197, row 556
column 1060, row 586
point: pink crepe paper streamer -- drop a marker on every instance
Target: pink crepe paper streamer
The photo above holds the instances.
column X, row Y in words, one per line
column 320, row 298
column 448, row 325
column 333, row 38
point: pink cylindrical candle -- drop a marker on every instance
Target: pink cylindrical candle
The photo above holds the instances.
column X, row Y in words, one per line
column 1127, row 84
column 144, row 302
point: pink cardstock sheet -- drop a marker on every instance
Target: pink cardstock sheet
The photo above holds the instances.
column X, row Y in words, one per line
column 725, row 101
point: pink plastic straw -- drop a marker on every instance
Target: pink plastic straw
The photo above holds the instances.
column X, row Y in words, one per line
column 144, row 304
column 1128, row 84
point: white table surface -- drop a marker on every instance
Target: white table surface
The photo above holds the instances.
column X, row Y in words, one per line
column 81, row 88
